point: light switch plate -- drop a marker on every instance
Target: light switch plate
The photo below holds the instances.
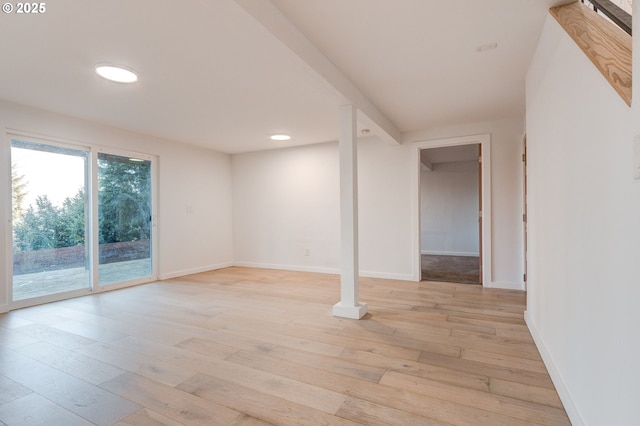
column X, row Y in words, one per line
column 636, row 157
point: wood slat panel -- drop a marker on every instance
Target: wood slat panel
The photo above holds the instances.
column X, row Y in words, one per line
column 256, row 403
column 67, row 392
column 523, row 411
column 431, row 372
column 369, row 413
column 146, row 417
column 604, row 43
column 435, row 409
column 171, row 402
column 34, row 409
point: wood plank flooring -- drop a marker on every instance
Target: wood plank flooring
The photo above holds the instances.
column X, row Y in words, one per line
column 243, row 346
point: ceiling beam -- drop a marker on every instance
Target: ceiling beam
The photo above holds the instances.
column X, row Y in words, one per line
column 272, row 18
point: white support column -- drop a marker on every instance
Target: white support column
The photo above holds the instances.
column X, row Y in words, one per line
column 349, row 305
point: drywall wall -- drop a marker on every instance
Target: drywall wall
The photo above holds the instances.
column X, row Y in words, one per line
column 286, row 208
column 583, row 208
column 449, row 209
column 287, row 201
column 385, row 209
column 188, row 176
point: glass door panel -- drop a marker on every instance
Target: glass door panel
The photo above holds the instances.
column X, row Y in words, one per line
column 124, row 218
column 49, row 206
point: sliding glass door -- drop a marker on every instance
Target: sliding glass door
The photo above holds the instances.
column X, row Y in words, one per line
column 124, row 218
column 49, row 205
column 82, row 220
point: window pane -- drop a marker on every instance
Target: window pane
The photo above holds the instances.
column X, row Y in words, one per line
column 124, row 218
column 49, row 217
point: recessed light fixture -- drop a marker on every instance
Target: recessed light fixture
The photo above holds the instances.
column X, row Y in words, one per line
column 116, row 73
column 280, row 137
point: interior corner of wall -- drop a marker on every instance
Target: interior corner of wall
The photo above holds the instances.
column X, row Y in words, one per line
column 558, row 381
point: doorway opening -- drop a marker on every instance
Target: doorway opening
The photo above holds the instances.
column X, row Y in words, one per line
column 450, row 202
column 452, row 220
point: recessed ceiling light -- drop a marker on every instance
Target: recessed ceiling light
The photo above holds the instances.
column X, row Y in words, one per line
column 116, row 73
column 280, row 137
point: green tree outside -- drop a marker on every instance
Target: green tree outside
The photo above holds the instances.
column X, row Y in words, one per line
column 124, row 209
column 124, row 199
column 18, row 192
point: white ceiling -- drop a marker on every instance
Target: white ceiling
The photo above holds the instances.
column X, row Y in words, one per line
column 212, row 75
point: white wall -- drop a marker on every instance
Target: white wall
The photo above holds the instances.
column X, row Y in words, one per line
column 385, row 203
column 584, row 229
column 187, row 176
column 449, row 209
column 286, row 201
column 286, row 204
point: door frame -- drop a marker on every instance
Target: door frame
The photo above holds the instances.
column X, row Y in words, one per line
column 480, row 266
column 97, row 287
column 484, row 140
column 524, row 211
column 38, row 300
column 92, row 221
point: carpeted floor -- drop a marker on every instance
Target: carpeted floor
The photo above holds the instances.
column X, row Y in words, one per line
column 455, row 269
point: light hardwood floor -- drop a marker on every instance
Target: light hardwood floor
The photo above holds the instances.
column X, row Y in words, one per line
column 244, row 346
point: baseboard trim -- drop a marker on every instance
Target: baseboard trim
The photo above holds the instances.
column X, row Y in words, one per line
column 295, row 268
column 4, row 309
column 322, row 270
column 185, row 272
column 563, row 392
column 504, row 285
column 450, row 253
column 387, row 276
